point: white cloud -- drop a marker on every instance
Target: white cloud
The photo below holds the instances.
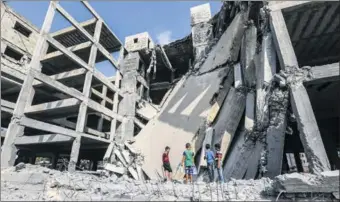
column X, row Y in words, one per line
column 164, row 37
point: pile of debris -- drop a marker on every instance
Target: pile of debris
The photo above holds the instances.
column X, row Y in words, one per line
column 31, row 182
column 125, row 160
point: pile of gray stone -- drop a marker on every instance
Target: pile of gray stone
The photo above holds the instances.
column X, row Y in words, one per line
column 32, row 182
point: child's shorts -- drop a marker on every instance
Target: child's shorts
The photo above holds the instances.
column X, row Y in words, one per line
column 189, row 170
column 167, row 167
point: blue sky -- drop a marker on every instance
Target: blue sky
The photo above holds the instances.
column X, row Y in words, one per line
column 165, row 21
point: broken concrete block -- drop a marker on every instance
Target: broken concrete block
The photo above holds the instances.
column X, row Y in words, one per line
column 250, row 111
column 248, row 49
column 222, row 93
column 231, row 40
column 20, row 166
column 275, row 137
column 200, row 13
column 309, row 132
column 126, row 156
column 202, row 30
column 242, row 155
column 115, row 169
column 254, row 161
column 238, row 75
column 326, row 182
column 120, row 157
column 229, row 118
column 140, row 172
column 23, row 178
column 133, row 172
column 138, row 42
column 201, row 34
column 130, row 148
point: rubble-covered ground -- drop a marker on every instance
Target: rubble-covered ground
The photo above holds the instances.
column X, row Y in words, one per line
column 31, row 182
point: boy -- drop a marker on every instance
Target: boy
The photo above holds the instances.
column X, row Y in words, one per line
column 166, row 163
column 209, row 157
column 218, row 160
column 188, row 162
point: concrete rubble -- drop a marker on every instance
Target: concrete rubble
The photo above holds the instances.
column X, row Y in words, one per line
column 43, row 184
column 241, row 79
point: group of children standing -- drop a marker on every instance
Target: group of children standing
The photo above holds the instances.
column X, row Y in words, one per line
column 214, row 160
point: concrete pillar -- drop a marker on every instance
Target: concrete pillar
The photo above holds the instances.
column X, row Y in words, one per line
column 127, row 106
column 265, row 69
column 103, row 102
column 201, row 30
column 82, row 114
column 248, row 48
column 309, row 132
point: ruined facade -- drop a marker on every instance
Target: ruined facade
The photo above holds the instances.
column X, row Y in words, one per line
column 246, row 71
column 251, row 83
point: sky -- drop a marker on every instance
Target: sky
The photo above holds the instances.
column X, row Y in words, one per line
column 165, row 21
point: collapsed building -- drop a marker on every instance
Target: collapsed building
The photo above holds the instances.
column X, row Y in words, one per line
column 259, row 72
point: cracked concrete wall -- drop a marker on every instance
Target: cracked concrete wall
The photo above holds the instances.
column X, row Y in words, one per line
column 138, row 42
column 200, row 13
column 15, row 40
column 202, row 30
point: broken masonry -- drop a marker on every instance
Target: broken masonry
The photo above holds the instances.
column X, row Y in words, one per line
column 245, row 70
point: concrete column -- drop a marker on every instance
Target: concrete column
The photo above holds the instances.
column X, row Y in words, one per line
column 82, row 115
column 309, row 132
column 103, row 102
column 201, row 30
column 127, row 106
column 248, row 48
column 265, row 69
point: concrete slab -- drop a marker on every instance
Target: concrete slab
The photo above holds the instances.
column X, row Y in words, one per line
column 228, row 121
column 179, row 126
column 115, row 169
column 327, row 182
column 227, row 48
column 147, row 111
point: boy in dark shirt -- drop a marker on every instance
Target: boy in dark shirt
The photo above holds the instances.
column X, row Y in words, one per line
column 166, row 163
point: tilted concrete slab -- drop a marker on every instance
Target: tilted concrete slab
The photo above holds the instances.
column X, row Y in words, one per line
column 181, row 117
column 179, row 127
column 228, row 46
column 148, row 111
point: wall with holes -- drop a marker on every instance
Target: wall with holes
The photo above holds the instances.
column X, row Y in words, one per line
column 17, row 32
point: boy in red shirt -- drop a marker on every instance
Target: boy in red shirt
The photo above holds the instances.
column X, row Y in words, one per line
column 166, row 163
column 218, row 160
